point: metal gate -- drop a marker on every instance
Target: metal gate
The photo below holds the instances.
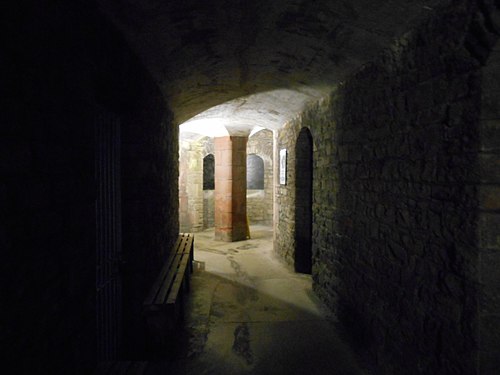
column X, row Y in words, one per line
column 108, row 236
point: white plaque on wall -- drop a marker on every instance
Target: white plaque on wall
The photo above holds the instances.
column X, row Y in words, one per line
column 283, row 166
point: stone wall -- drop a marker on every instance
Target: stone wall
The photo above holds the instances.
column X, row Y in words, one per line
column 395, row 206
column 489, row 215
column 197, row 205
column 62, row 75
column 208, row 209
column 191, row 198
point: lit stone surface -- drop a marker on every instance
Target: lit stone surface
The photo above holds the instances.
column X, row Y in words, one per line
column 264, row 110
column 399, row 234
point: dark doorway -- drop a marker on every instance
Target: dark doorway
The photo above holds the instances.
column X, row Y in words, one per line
column 209, row 172
column 208, row 191
column 303, row 201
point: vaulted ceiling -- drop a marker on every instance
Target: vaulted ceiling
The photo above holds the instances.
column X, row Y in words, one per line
column 247, row 63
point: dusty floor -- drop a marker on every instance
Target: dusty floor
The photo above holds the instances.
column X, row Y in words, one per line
column 247, row 313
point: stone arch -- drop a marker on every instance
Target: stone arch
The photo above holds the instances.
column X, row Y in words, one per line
column 260, row 201
column 303, row 201
column 255, row 172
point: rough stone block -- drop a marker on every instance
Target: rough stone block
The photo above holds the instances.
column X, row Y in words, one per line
column 490, row 109
column 489, row 362
column 489, row 264
column 490, row 136
column 489, row 233
column 489, row 166
column 489, row 333
column 223, row 172
column 399, row 159
column 489, row 197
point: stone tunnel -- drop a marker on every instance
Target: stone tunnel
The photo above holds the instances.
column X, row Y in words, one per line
column 377, row 125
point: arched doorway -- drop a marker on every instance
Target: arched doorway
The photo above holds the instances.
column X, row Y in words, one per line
column 208, row 191
column 303, row 201
column 208, row 172
column 255, row 172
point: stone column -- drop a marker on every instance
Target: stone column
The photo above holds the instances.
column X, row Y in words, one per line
column 230, row 188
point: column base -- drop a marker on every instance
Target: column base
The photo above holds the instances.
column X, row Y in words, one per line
column 231, row 234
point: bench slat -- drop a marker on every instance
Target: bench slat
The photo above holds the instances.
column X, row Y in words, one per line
column 179, row 278
column 184, row 243
column 163, row 273
column 163, row 306
column 167, row 283
column 189, row 248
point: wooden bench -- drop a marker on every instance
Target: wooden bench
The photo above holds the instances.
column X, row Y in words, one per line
column 163, row 307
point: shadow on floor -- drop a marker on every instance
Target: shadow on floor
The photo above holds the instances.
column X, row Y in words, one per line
column 249, row 314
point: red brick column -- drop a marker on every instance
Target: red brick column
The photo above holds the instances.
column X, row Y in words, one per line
column 230, row 188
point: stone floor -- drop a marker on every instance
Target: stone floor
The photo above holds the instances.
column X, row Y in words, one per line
column 248, row 313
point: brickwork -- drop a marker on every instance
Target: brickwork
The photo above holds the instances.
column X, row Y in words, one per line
column 208, row 209
column 191, row 198
column 395, row 203
column 196, row 204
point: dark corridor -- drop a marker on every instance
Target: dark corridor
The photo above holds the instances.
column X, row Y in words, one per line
column 303, row 202
column 396, row 217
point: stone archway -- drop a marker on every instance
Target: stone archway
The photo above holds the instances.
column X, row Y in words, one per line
column 303, row 201
column 208, row 190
